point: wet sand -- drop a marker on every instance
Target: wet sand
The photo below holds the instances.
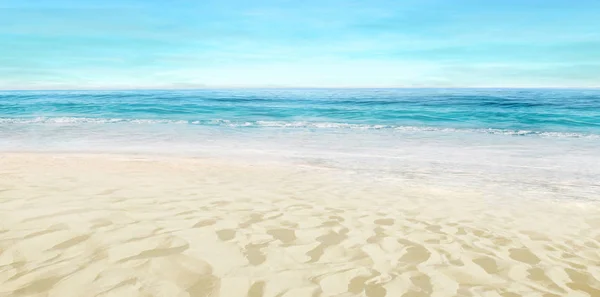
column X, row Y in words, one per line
column 109, row 225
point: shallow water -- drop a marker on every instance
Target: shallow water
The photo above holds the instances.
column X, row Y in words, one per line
column 542, row 143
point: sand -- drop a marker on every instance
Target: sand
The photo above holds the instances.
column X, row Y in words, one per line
column 108, row 225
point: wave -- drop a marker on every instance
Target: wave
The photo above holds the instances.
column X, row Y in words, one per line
column 77, row 120
column 291, row 124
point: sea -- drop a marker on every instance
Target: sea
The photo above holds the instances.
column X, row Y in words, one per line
column 542, row 143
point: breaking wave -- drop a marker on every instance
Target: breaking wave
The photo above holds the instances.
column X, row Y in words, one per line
column 288, row 124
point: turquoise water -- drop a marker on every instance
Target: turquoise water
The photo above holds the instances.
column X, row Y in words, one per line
column 525, row 140
column 560, row 113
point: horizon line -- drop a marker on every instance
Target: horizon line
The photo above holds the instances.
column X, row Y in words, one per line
column 303, row 88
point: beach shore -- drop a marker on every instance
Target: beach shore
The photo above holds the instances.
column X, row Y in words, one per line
column 132, row 225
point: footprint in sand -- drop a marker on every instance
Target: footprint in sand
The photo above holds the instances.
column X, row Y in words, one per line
column 330, row 239
column 423, row 282
column 204, row 223
column 581, row 281
column 226, row 234
column 379, row 235
column 415, row 253
column 488, row 264
column 254, row 254
column 284, row 235
column 254, row 218
column 360, row 284
column 257, row 289
column 538, row 275
column 524, row 255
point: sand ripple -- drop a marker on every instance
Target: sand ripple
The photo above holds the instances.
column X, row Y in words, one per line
column 119, row 226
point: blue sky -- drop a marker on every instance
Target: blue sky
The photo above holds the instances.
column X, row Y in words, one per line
column 108, row 44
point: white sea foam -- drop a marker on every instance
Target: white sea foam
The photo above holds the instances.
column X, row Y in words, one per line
column 291, row 124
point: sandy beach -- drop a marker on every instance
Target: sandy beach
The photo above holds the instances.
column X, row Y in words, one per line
column 118, row 225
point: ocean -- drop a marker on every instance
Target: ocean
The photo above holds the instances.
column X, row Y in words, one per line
column 521, row 142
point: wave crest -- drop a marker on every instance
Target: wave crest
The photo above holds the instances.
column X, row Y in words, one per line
column 289, row 124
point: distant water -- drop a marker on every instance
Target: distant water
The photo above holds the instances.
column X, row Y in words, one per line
column 546, row 140
column 554, row 113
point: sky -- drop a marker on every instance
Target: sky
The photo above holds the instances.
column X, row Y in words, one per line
column 150, row 44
